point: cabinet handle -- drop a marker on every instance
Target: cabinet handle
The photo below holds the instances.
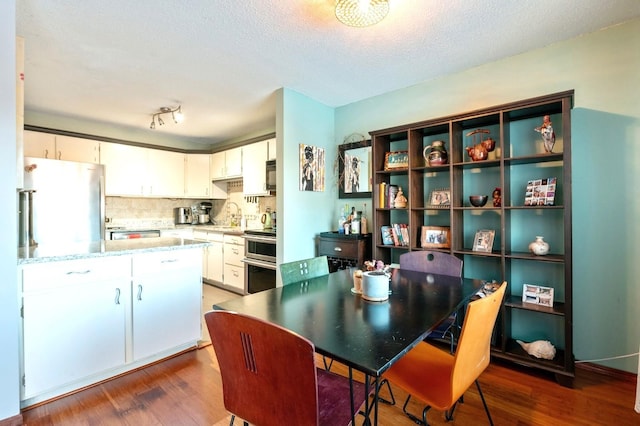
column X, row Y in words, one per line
column 139, row 291
column 169, row 261
column 79, row 272
column 235, row 250
column 117, row 296
column 46, row 153
column 337, row 249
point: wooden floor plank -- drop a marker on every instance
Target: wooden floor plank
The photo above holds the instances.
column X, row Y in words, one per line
column 186, row 390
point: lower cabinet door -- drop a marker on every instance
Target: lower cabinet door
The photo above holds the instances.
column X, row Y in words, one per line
column 72, row 332
column 167, row 302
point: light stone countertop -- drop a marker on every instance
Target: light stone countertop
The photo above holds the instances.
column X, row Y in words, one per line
column 42, row 254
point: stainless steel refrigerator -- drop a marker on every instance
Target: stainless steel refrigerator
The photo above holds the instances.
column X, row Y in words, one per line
column 62, row 202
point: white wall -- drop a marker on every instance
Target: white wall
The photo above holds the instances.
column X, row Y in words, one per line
column 604, row 70
column 9, row 365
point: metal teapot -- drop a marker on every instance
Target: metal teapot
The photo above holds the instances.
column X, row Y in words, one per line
column 435, row 154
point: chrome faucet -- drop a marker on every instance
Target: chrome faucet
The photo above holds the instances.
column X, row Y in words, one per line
column 234, row 219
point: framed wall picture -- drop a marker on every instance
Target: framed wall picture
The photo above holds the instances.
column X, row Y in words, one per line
column 537, row 295
column 483, row 240
column 440, row 198
column 435, row 237
column 396, row 160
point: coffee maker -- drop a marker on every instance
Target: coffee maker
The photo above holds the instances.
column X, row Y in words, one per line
column 182, row 216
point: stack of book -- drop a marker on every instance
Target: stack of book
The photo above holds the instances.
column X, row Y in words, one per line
column 387, row 195
column 396, row 234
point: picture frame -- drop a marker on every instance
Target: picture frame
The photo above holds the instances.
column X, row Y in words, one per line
column 435, row 237
column 354, row 170
column 540, row 192
column 396, row 160
column 440, row 198
column 483, row 241
column 537, row 295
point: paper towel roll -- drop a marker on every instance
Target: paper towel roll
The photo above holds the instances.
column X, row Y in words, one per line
column 375, row 286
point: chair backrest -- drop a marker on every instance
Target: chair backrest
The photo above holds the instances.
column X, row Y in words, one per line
column 260, row 384
column 435, row 262
column 300, row 270
column 474, row 345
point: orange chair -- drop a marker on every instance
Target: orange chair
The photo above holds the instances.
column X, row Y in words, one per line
column 436, row 262
column 269, row 376
column 440, row 378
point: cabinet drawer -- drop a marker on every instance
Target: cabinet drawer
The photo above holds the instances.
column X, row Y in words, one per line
column 234, row 239
column 233, row 254
column 234, row 276
column 70, row 272
column 343, row 249
column 156, row 262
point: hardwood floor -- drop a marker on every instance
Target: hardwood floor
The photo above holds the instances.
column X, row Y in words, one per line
column 186, row 390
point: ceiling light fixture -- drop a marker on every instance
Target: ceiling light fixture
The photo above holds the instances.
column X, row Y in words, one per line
column 176, row 114
column 361, row 13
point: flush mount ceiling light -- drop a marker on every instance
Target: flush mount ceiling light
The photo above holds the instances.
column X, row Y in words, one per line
column 176, row 114
column 361, row 13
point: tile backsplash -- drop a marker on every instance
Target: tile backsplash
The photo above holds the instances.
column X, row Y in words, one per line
column 158, row 212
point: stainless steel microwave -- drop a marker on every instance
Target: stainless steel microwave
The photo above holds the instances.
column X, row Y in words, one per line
column 270, row 181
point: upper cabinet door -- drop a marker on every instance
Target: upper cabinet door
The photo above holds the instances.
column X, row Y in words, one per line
column 272, row 149
column 77, row 149
column 125, row 169
column 165, row 173
column 234, row 162
column 254, row 157
column 218, row 165
column 196, row 175
column 39, row 144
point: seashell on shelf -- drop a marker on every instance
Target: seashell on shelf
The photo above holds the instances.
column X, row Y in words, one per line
column 539, row 348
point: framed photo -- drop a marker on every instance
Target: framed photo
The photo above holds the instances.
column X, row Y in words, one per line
column 540, row 192
column 396, row 160
column 537, row 295
column 440, row 198
column 435, row 237
column 483, row 240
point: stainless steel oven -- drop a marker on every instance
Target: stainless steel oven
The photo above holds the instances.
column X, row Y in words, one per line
column 260, row 270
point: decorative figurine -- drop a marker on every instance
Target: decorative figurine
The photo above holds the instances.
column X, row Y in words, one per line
column 497, row 197
column 540, row 348
column 547, row 133
column 400, row 201
column 480, row 151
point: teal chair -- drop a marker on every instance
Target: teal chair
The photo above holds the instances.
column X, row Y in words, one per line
column 301, row 270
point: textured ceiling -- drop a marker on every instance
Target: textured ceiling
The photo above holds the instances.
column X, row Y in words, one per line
column 119, row 61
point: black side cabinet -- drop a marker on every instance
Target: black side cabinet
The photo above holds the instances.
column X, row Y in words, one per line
column 344, row 250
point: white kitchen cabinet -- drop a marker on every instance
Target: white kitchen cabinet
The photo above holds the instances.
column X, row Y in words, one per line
column 226, row 164
column 197, row 182
column 272, row 149
column 59, row 147
column 165, row 173
column 74, row 318
column 212, row 261
column 233, row 265
column 39, row 144
column 19, row 112
column 77, row 149
column 166, row 301
column 185, row 232
column 142, row 172
column 254, row 158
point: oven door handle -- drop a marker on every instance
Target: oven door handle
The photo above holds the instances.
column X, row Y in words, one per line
column 261, row 263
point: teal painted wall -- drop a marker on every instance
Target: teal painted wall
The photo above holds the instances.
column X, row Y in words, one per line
column 604, row 70
column 302, row 214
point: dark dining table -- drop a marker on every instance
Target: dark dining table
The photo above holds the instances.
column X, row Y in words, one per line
column 364, row 335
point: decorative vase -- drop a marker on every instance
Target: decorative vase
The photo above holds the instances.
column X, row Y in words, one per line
column 435, row 154
column 539, row 247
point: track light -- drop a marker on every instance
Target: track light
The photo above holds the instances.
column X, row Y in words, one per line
column 176, row 114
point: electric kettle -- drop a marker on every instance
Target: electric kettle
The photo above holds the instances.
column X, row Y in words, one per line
column 266, row 219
